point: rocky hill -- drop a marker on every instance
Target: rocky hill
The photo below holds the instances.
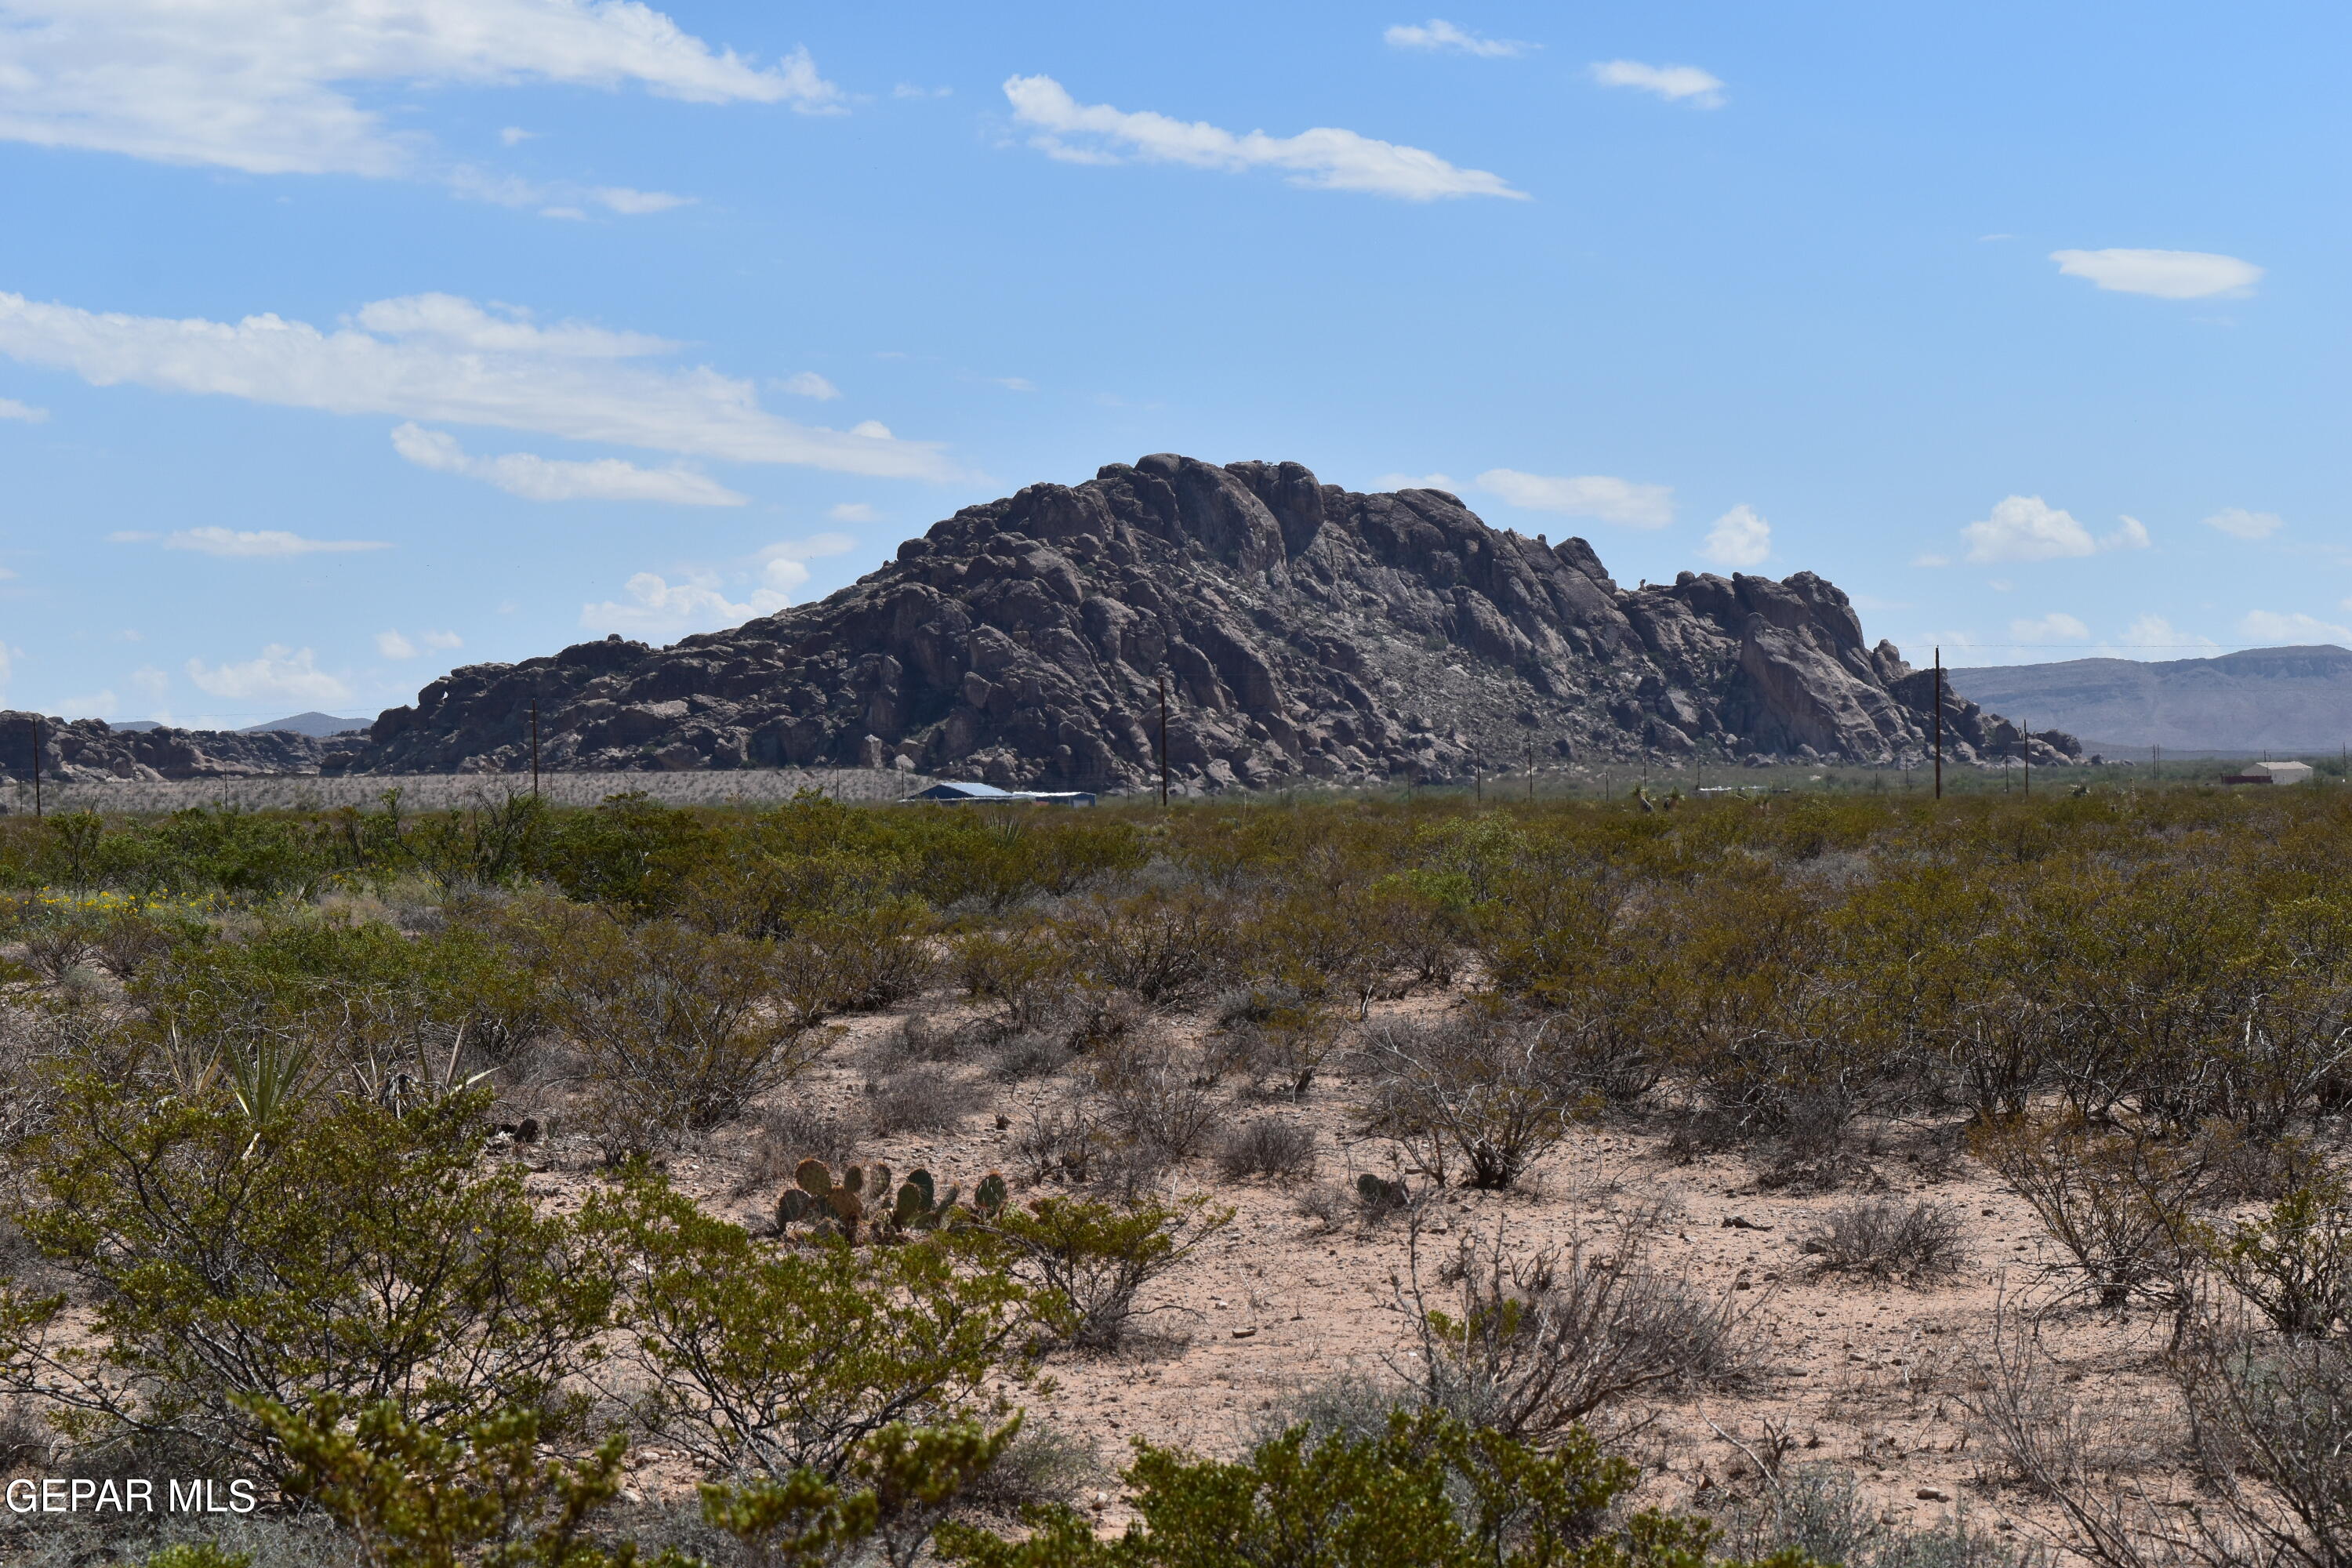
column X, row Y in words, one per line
column 89, row 751
column 1304, row 632
column 2281, row 699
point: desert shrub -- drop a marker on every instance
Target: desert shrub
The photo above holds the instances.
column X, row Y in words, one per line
column 857, row 960
column 920, row 1099
column 59, row 940
column 2295, row 1264
column 1025, row 969
column 1821, row 1515
column 915, row 1039
column 880, row 1335
column 338, row 1248
column 678, row 1031
column 1466, row 1095
column 2271, row 1418
column 2119, row 1202
column 1158, row 944
column 412, row 1499
column 788, row 1133
column 1154, row 1102
column 1880, row 1241
column 1426, row 1491
column 1045, row 1466
column 1535, row 1344
column 1088, row 1258
column 1267, row 1146
column 1275, row 1033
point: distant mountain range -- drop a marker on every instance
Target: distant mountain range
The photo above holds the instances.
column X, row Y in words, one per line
column 319, row 725
column 2282, row 701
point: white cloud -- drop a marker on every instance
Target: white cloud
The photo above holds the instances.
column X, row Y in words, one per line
column 659, row 609
column 2154, row 635
column 265, row 86
column 280, row 672
column 2272, row 626
column 12, row 409
column 1931, row 561
column 2054, row 627
column 2167, row 274
column 2240, row 523
column 808, row 384
column 1674, row 83
column 853, row 511
column 1587, row 495
column 259, row 543
column 1435, row 35
column 534, row 478
column 871, row 430
column 393, row 645
column 2027, row 528
column 6, row 575
column 908, row 89
column 436, row 356
column 1014, row 382
column 1739, row 538
column 1324, row 158
column 622, row 199
column 1391, row 482
column 515, row 135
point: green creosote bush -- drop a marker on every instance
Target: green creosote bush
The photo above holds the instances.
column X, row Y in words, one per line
column 2294, row 1263
column 1089, row 1258
column 2117, row 1201
column 1427, row 1492
column 678, row 1031
column 922, row 1332
column 339, row 1249
column 488, row 1499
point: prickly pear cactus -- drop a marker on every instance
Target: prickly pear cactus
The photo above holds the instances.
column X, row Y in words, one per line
column 812, row 1178
column 795, row 1206
column 990, row 1195
column 920, row 1180
column 854, row 1178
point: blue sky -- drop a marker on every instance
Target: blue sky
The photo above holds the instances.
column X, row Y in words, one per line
column 344, row 341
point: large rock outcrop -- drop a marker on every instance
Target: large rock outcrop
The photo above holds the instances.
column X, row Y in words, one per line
column 88, row 751
column 1303, row 631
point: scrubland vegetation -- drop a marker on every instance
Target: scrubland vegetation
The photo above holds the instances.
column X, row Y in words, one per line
column 365, row 1151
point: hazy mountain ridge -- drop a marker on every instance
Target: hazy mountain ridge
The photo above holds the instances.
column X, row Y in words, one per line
column 2279, row 700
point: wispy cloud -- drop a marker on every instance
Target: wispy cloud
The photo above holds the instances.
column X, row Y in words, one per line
column 2027, row 528
column 2292, row 628
column 656, row 607
column 2166, row 274
column 393, row 645
column 2240, row 523
column 1324, row 158
column 2054, row 627
column 534, row 478
column 1739, row 539
column 438, row 357
column 1436, row 35
column 268, row 87
column 283, row 673
column 853, row 511
column 808, row 384
column 1676, row 84
column 12, row 409
column 265, row 543
column 1597, row 496
column 1414, row 482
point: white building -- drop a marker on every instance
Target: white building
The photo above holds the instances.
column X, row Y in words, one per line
column 2272, row 773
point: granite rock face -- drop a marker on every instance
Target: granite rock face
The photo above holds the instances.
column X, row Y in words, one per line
column 88, row 751
column 1303, row 632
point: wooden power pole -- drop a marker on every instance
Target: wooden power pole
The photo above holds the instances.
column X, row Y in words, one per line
column 1939, row 722
column 534, row 748
column 1163, row 740
column 37, row 767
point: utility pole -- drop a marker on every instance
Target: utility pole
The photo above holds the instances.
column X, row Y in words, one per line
column 1163, row 740
column 37, row 767
column 1939, row 722
column 2028, row 751
column 1478, row 783
column 534, row 748
column 1531, row 770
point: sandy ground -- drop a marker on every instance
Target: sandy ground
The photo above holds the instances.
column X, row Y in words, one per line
column 1860, row 1379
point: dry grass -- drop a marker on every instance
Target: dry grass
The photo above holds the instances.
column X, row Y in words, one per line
column 432, row 792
